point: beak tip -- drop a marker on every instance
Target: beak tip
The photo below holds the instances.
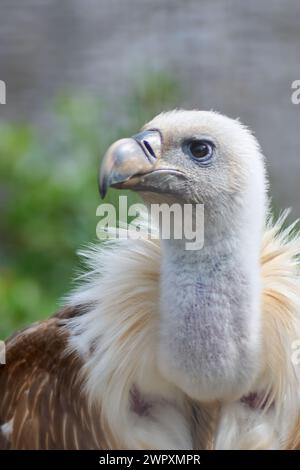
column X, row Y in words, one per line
column 102, row 188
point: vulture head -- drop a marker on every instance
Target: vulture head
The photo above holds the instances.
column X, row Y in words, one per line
column 191, row 157
column 209, row 335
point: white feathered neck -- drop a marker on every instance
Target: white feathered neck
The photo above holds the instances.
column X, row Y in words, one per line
column 118, row 341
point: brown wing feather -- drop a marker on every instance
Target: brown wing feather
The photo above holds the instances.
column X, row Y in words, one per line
column 42, row 405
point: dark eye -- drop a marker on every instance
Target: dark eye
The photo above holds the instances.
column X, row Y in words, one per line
column 201, row 150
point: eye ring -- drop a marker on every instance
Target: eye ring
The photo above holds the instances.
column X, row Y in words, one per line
column 201, row 150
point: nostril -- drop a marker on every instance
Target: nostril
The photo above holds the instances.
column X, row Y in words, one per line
column 149, row 148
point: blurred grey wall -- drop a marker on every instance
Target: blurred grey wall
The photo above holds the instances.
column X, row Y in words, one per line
column 234, row 56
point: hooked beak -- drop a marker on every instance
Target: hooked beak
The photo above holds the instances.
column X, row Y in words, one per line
column 128, row 163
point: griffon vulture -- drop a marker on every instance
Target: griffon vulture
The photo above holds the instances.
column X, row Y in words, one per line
column 162, row 347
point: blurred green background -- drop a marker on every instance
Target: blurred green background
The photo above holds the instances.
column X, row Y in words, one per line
column 49, row 196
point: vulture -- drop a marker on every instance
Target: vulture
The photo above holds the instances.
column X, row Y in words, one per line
column 159, row 346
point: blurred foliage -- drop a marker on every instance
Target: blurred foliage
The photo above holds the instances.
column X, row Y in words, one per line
column 48, row 194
